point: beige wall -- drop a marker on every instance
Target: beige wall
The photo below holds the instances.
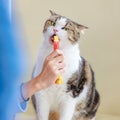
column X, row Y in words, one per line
column 100, row 45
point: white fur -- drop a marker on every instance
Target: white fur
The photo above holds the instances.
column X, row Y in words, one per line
column 93, row 118
column 55, row 97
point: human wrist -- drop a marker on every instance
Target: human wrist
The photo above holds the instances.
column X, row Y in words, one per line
column 38, row 83
column 30, row 88
column 23, row 97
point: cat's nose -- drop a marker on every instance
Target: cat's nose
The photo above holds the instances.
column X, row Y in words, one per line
column 55, row 30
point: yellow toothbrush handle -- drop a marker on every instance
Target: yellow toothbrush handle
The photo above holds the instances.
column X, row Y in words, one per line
column 56, row 46
column 59, row 80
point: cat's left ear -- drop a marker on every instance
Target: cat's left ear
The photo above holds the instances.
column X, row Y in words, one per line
column 52, row 13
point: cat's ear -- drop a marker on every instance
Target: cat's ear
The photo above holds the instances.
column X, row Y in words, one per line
column 52, row 13
column 81, row 28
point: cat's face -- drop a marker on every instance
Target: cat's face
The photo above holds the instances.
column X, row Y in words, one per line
column 67, row 30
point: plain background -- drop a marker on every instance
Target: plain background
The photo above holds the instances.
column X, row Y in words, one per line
column 100, row 45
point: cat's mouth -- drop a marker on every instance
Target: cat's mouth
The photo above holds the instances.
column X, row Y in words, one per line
column 52, row 38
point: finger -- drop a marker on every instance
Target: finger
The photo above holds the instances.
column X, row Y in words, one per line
column 58, row 59
column 61, row 70
column 59, row 52
column 58, row 66
column 61, row 66
column 56, row 53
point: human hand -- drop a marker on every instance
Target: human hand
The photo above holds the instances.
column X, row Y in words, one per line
column 53, row 66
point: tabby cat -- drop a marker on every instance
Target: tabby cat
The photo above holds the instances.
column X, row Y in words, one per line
column 77, row 98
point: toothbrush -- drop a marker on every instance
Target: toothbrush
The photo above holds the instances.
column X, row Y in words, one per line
column 56, row 46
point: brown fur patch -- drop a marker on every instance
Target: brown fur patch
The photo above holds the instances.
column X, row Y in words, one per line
column 54, row 116
column 88, row 74
column 85, row 110
column 80, row 106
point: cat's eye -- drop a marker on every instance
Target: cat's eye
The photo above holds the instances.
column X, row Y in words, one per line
column 65, row 28
column 51, row 23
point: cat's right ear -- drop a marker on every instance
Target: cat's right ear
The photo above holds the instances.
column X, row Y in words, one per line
column 52, row 13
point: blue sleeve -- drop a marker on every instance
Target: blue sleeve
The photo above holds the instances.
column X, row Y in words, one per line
column 12, row 65
column 22, row 106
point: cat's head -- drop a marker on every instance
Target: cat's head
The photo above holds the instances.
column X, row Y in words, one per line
column 67, row 30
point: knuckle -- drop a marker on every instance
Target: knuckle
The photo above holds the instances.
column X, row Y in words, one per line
column 49, row 63
column 47, row 59
column 56, row 73
column 64, row 65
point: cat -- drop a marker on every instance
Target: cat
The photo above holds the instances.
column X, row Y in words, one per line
column 77, row 98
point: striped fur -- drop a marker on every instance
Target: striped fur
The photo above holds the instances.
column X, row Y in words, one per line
column 87, row 109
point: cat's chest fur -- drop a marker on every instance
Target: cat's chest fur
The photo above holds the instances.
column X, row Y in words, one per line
column 57, row 93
